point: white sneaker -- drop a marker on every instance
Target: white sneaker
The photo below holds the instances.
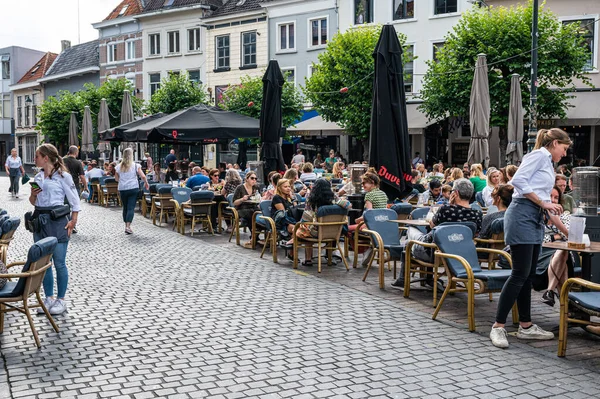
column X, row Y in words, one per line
column 59, row 307
column 49, row 302
column 498, row 337
column 534, row 333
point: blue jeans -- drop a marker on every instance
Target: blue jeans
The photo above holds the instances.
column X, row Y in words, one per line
column 59, row 257
column 128, row 200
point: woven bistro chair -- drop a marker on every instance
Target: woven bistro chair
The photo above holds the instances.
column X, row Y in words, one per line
column 147, row 197
column 95, row 186
column 224, row 214
column 237, row 222
column 330, row 220
column 495, row 242
column 162, row 205
column 180, row 195
column 111, row 191
column 262, row 222
column 585, row 304
column 403, row 210
column 8, row 227
column 458, row 254
column 199, row 210
column 28, row 283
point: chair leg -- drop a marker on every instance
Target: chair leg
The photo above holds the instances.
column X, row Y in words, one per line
column 2, row 311
column 210, row 226
column 407, row 266
column 491, row 297
column 232, row 231
column 33, row 330
column 46, row 312
column 471, row 304
column 329, row 256
column 264, row 248
column 320, row 258
column 193, row 225
column 274, row 246
column 343, row 258
column 381, row 268
column 439, row 305
column 368, row 267
column 515, row 314
column 355, row 261
column 563, row 328
column 295, row 266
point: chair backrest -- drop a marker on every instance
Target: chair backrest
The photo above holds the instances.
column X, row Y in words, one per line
column 379, row 220
column 95, row 180
column 470, row 225
column 331, row 214
column 110, row 180
column 181, row 194
column 475, row 205
column 196, row 188
column 165, row 190
column 457, row 239
column 230, row 200
column 497, row 226
column 403, row 209
column 492, row 209
column 419, row 213
column 102, row 179
column 158, row 186
column 8, row 228
column 3, row 218
column 38, row 256
column 153, row 188
column 265, row 208
column 3, row 212
column 336, row 181
column 201, row 201
column 479, row 198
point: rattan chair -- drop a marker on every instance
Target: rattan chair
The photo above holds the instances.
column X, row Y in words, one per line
column 495, row 242
column 262, row 222
column 111, row 191
column 28, row 283
column 458, row 254
column 330, row 220
column 224, row 214
column 95, row 187
column 8, row 227
column 162, row 205
column 180, row 195
column 385, row 240
column 199, row 210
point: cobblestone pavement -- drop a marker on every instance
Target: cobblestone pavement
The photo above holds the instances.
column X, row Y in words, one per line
column 157, row 314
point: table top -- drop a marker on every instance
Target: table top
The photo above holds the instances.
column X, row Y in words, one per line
column 593, row 248
column 411, row 222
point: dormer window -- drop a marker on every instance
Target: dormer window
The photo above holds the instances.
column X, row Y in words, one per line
column 123, row 10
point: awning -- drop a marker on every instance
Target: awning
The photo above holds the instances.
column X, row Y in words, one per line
column 316, row 126
column 417, row 121
column 585, row 110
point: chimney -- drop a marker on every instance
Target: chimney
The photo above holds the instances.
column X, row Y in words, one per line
column 65, row 45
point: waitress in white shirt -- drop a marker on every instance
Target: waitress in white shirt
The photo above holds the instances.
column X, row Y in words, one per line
column 524, row 232
column 14, row 169
column 55, row 184
column 127, row 173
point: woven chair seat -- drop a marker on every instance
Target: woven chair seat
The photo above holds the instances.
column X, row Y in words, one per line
column 588, row 302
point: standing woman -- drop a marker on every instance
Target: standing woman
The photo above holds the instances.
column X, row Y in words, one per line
column 524, row 232
column 127, row 173
column 56, row 184
column 14, row 169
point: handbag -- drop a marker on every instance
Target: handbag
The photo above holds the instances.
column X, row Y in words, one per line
column 60, row 212
column 25, row 179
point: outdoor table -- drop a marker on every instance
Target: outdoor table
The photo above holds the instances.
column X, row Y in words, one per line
column 586, row 255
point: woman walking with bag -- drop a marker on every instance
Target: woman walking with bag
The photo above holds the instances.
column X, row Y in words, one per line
column 14, row 169
column 127, row 173
column 524, row 232
column 51, row 216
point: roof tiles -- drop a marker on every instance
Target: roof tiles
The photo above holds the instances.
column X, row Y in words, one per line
column 84, row 55
column 237, row 6
column 130, row 7
column 39, row 68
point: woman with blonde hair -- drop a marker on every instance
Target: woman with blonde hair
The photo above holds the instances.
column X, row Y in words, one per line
column 477, row 177
column 127, row 174
column 281, row 206
column 524, row 232
column 338, row 170
column 493, row 180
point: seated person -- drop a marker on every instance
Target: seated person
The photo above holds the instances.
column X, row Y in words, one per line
column 501, row 198
column 216, row 184
column 93, row 171
column 197, row 179
column 568, row 202
column 281, row 206
column 273, row 178
column 308, row 173
column 416, row 176
column 171, row 174
column 243, row 193
column 298, row 187
column 157, row 175
column 458, row 210
column 434, row 193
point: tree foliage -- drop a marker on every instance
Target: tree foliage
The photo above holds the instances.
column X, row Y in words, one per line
column 176, row 92
column 246, row 99
column 55, row 112
column 347, row 62
column 504, row 35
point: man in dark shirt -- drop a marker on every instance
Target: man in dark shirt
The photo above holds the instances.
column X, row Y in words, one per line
column 75, row 168
column 170, row 158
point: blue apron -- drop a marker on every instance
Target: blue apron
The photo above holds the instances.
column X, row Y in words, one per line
column 523, row 223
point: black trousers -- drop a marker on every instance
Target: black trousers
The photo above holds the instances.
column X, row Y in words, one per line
column 518, row 285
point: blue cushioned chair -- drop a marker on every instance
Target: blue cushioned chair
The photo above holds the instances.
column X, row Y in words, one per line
column 180, row 195
column 94, row 186
column 458, row 254
column 3, row 212
column 479, row 198
column 162, row 204
column 8, row 226
column 336, row 181
column 403, row 209
column 226, row 214
column 262, row 222
column 236, row 222
column 110, row 191
column 419, row 213
column 385, row 239
column 495, row 242
column 201, row 203
column 330, row 220
column 28, row 283
column 586, row 303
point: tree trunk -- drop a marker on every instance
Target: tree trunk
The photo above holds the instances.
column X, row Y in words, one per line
column 502, row 135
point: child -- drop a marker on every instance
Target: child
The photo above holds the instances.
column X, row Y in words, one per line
column 446, row 190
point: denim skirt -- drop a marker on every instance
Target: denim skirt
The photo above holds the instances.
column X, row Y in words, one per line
column 523, row 223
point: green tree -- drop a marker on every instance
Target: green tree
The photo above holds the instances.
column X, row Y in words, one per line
column 112, row 90
column 504, row 35
column 347, row 62
column 246, row 99
column 176, row 92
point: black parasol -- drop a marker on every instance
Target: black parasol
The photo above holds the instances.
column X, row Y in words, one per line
column 389, row 148
column 117, row 133
column 270, row 119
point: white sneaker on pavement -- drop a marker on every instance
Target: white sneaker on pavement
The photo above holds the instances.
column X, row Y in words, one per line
column 498, row 337
column 49, row 302
column 59, row 307
column 534, row 333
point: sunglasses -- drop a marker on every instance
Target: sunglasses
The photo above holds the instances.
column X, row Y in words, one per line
column 252, row 178
column 214, row 175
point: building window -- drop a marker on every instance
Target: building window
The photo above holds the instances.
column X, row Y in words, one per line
column 363, row 11
column 19, row 111
column 222, row 60
column 154, row 83
column 5, row 106
column 318, row 32
column 173, row 42
column 34, row 110
column 289, row 74
column 586, row 30
column 27, row 115
column 404, row 9
column 436, row 49
column 130, row 50
column 30, row 146
column 194, row 39
column 287, row 36
column 130, row 76
column 311, row 70
column 194, row 76
column 249, row 49
column 409, row 66
column 111, row 52
column 154, row 41
column 445, row 6
column 5, row 67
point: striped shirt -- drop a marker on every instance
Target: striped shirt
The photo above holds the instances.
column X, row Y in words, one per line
column 377, row 198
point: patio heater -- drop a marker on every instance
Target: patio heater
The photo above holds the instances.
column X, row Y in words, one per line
column 357, row 198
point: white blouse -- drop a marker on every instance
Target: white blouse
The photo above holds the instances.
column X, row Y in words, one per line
column 54, row 190
column 13, row 163
column 535, row 175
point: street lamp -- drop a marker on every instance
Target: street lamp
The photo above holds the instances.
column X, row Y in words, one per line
column 532, row 134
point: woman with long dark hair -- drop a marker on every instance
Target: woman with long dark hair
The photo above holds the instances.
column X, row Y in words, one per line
column 524, row 232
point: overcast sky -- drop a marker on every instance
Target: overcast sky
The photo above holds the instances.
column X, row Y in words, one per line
column 42, row 24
